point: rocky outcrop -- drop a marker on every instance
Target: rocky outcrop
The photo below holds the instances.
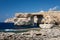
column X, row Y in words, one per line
column 42, row 34
column 10, row 20
column 22, row 15
column 46, row 25
column 19, row 19
column 22, row 21
column 49, row 17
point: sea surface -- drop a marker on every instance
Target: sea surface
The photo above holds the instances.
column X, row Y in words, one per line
column 12, row 27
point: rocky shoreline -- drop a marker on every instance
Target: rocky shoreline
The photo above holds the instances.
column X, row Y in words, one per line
column 42, row 34
column 46, row 21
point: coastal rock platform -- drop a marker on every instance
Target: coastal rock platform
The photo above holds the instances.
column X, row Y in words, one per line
column 42, row 34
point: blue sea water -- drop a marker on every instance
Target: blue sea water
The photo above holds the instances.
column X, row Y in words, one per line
column 12, row 26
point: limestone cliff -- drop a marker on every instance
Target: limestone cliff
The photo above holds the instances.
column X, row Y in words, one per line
column 49, row 17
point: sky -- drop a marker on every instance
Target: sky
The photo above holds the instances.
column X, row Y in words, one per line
column 8, row 8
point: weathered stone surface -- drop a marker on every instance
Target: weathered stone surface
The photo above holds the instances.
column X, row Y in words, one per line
column 46, row 25
column 10, row 20
column 49, row 17
column 22, row 15
column 22, row 21
column 43, row 34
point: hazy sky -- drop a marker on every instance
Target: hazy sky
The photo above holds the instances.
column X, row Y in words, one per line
column 8, row 8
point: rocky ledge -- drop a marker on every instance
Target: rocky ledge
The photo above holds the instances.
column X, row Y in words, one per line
column 42, row 34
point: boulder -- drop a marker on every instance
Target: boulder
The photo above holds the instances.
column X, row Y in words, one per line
column 46, row 25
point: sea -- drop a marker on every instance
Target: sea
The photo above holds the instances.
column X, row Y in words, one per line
column 11, row 27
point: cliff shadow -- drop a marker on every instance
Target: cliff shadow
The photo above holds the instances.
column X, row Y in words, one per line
column 40, row 17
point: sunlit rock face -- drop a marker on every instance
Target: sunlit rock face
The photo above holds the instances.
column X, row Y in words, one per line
column 49, row 17
column 46, row 25
column 22, row 15
column 35, row 19
column 19, row 19
column 10, row 20
column 22, row 21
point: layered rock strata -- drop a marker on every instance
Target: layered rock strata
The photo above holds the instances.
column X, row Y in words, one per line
column 49, row 17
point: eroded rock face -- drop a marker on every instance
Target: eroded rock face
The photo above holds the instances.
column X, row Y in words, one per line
column 22, row 15
column 50, row 17
column 10, row 20
column 22, row 21
column 46, row 25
